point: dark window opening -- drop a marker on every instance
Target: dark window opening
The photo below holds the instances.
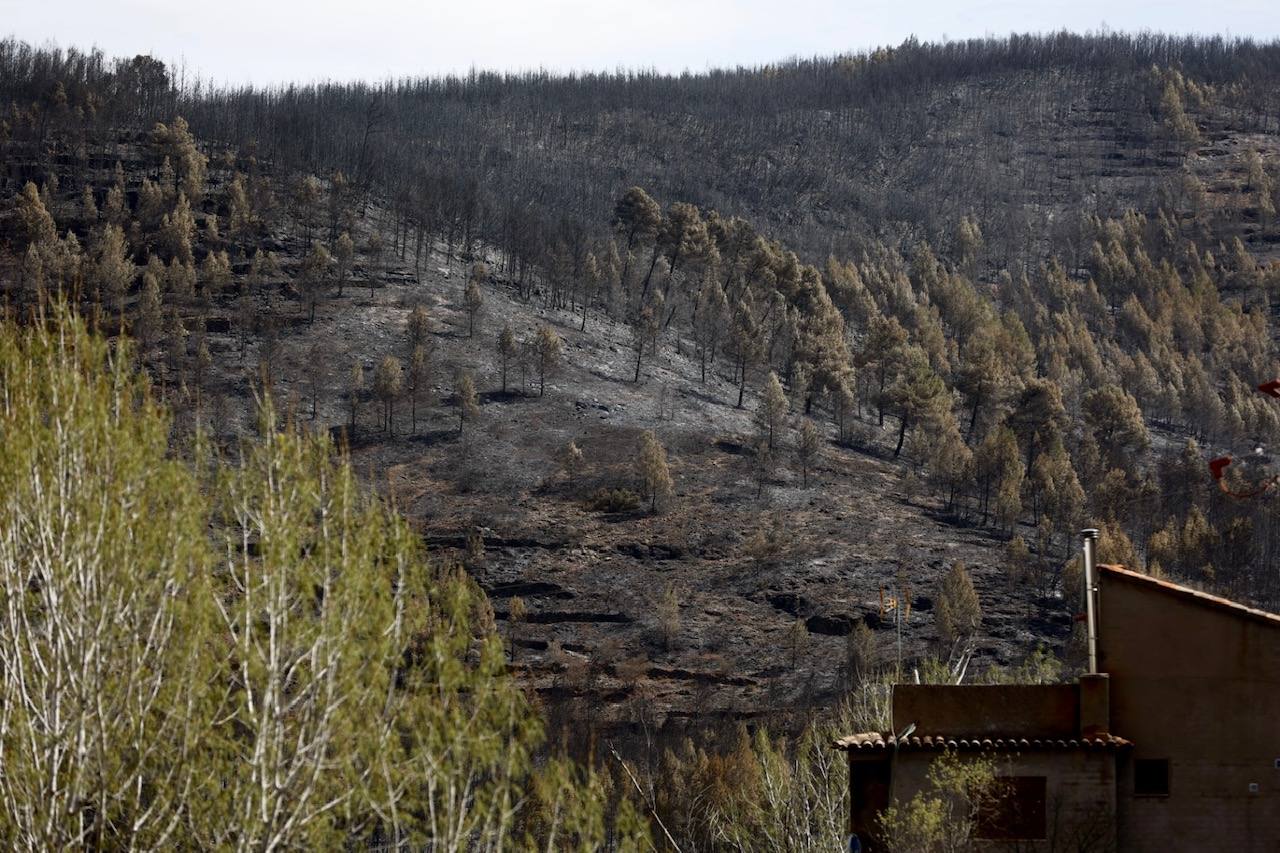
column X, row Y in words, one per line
column 1013, row 809
column 1151, row 777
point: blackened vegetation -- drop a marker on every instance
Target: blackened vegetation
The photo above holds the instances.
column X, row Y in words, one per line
column 817, row 152
column 1033, row 276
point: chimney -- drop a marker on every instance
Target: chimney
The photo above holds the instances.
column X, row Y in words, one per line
column 1095, row 703
column 1091, row 595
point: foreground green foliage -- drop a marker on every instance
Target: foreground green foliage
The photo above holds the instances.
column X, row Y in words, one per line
column 768, row 791
column 764, row 793
column 249, row 654
column 943, row 817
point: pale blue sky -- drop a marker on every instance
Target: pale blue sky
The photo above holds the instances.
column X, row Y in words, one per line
column 271, row 41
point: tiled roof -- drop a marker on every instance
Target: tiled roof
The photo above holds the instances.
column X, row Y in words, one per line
column 871, row 741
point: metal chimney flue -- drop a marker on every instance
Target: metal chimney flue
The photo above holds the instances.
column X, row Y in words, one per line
column 1090, row 536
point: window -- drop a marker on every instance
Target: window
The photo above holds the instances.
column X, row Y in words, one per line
column 1151, row 777
column 1013, row 810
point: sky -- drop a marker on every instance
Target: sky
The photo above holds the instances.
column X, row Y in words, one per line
column 275, row 41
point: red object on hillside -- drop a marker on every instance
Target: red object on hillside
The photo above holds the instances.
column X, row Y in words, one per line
column 1217, row 466
column 1271, row 389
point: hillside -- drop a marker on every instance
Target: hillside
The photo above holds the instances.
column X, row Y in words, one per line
column 593, row 580
column 1013, row 288
column 1023, row 133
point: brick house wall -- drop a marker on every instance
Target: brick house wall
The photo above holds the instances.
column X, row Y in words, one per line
column 1080, row 795
column 1173, row 746
column 1195, row 682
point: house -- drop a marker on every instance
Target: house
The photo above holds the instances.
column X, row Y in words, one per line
column 1171, row 741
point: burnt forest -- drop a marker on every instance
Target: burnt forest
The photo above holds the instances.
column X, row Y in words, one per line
column 708, row 405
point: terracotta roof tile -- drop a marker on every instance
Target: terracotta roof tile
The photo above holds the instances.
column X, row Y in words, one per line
column 871, row 741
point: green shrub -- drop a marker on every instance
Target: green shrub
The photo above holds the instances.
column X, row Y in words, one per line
column 251, row 653
column 614, row 500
